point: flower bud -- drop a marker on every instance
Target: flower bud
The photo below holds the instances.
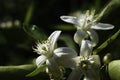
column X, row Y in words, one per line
column 107, row 58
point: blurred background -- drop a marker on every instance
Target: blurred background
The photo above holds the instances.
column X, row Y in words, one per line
column 16, row 42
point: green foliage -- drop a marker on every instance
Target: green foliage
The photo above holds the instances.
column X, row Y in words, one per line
column 19, row 72
column 108, row 41
column 15, row 72
column 42, row 68
column 29, row 13
column 34, row 32
column 112, row 4
column 68, row 41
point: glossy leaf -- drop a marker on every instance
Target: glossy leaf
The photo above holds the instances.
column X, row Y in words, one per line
column 114, row 70
column 34, row 32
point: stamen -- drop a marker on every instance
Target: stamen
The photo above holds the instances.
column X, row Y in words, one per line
column 85, row 62
column 42, row 48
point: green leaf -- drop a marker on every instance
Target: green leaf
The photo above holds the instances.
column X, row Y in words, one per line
column 29, row 13
column 114, row 70
column 108, row 41
column 37, row 71
column 111, row 5
column 34, row 32
column 19, row 73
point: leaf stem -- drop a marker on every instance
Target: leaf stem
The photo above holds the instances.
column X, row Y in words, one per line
column 105, row 44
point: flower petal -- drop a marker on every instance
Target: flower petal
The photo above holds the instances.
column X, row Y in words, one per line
column 53, row 38
column 64, row 57
column 69, row 19
column 94, row 37
column 92, row 74
column 65, row 51
column 96, row 59
column 79, row 36
column 85, row 49
column 102, row 26
column 89, row 44
column 40, row 60
column 76, row 74
column 53, row 68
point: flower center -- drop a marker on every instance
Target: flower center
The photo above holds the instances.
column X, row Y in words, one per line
column 84, row 64
column 43, row 48
column 85, row 20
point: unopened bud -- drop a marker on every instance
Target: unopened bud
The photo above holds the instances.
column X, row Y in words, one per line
column 107, row 58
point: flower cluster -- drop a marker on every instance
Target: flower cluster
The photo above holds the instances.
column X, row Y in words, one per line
column 83, row 64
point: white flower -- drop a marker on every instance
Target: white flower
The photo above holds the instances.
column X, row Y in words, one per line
column 85, row 64
column 46, row 51
column 84, row 24
column 64, row 57
column 87, row 67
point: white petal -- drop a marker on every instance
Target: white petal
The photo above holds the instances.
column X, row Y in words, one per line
column 94, row 37
column 92, row 74
column 53, row 68
column 102, row 26
column 85, row 49
column 40, row 60
column 79, row 36
column 53, row 38
column 69, row 19
column 64, row 57
column 89, row 44
column 96, row 59
column 65, row 51
column 86, row 78
column 76, row 74
column 66, row 62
